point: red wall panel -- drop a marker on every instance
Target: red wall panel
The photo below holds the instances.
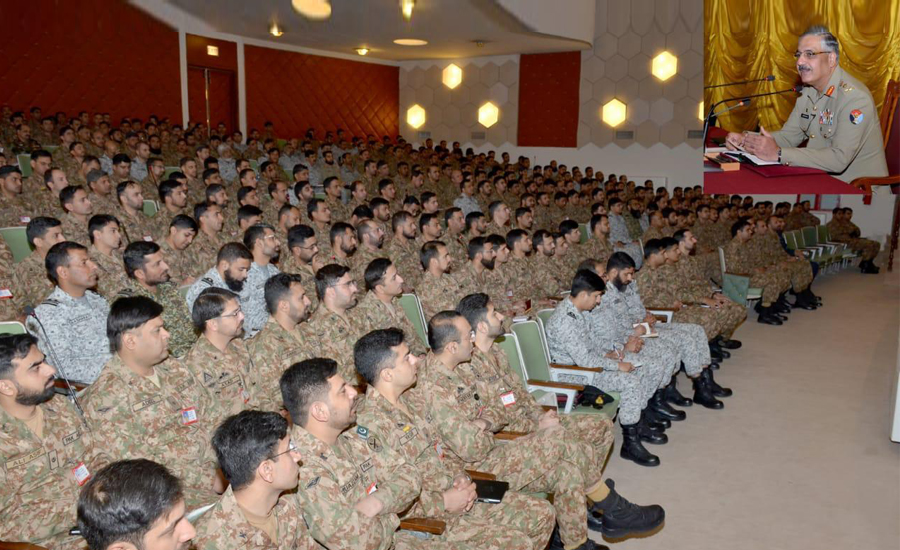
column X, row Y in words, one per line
column 297, row 91
column 94, row 55
column 548, row 99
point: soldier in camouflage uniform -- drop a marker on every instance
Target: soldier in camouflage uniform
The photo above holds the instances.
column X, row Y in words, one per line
column 301, row 256
column 843, row 230
column 806, row 270
column 618, row 232
column 452, row 408
column 740, row 258
column 144, row 405
column 389, row 367
column 351, row 490
column 370, row 236
column 30, row 285
column 438, row 289
column 220, row 359
column 588, row 438
column 261, row 469
column 73, row 318
column 331, row 323
column 285, row 339
column 15, row 211
column 106, row 252
column 380, row 307
column 598, row 246
column 136, row 225
column 148, row 275
column 46, row 451
column 799, row 272
column 403, row 250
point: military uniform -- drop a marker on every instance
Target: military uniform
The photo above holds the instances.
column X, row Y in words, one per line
column 30, row 285
column 438, row 294
column 652, row 233
column 170, row 423
column 373, row 314
column 772, row 253
column 618, row 232
column 75, row 230
column 518, row 522
column 15, row 212
column 661, row 288
column 112, row 276
column 76, row 329
column 40, row 475
column 181, row 264
column 333, row 478
column 739, row 259
column 599, row 249
column 692, row 278
column 405, row 257
column 361, row 260
column 840, row 127
column 537, row 463
column 138, row 227
column 336, row 338
column 848, row 232
column 251, row 296
column 230, row 376
column 276, row 349
column 225, row 527
column 205, row 249
column 289, row 264
column 176, row 316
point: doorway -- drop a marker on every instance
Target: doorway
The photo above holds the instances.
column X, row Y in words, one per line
column 212, row 97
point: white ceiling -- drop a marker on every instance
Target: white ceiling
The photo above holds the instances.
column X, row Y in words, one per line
column 451, row 27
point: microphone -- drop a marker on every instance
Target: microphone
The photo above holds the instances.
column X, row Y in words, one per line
column 712, row 114
column 29, row 312
column 769, row 78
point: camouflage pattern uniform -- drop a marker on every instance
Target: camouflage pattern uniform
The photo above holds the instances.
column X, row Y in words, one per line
column 618, row 232
column 251, row 297
column 653, row 233
column 457, row 246
column 75, row 230
column 112, row 276
column 30, row 286
column 800, row 272
column 182, row 263
column 690, row 276
column 225, row 527
column 361, row 260
column 541, row 273
column 276, row 349
column 739, row 259
column 204, row 249
column 170, row 424
column 373, row 314
column 334, row 478
column 308, row 282
column 176, row 316
column 76, row 329
column 438, row 294
column 15, row 212
column 38, row 487
column 660, row 289
column 599, row 250
column 230, row 376
column 138, row 227
column 535, row 463
column 405, row 257
column 848, row 232
column 518, row 522
column 336, row 338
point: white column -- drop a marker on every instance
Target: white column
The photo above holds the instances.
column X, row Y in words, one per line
column 182, row 61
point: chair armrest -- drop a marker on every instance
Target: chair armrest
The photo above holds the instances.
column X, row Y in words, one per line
column 575, row 367
column 423, row 525
column 554, row 385
column 662, row 314
column 867, row 183
column 60, row 383
column 474, row 474
column 549, row 408
column 508, row 436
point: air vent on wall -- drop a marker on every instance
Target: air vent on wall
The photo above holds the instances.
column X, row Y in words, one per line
column 477, row 136
column 695, row 134
column 424, row 135
column 624, row 134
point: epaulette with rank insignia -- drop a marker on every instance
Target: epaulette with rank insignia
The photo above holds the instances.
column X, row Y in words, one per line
column 208, row 280
column 572, row 315
column 50, row 302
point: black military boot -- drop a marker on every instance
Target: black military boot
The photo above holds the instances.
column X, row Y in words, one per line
column 726, row 343
column 622, row 518
column 649, row 435
column 656, row 422
column 674, row 396
column 662, row 408
column 632, row 448
column 703, row 393
column 767, row 317
column 717, row 390
column 557, row 544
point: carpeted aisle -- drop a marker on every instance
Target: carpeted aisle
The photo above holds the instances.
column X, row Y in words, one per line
column 800, row 458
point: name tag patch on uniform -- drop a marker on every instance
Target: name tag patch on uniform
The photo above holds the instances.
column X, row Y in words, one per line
column 24, row 219
column 805, row 115
column 189, row 416
column 5, row 293
column 508, row 399
column 81, row 473
column 22, row 460
column 856, row 116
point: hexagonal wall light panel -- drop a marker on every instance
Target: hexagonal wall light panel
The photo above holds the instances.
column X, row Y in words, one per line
column 665, row 65
column 614, row 113
column 452, row 76
column 415, row 116
column 488, row 114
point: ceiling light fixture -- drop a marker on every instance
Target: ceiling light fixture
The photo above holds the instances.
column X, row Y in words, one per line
column 410, row 42
column 415, row 116
column 275, row 30
column 316, row 10
column 452, row 76
column 614, row 113
column 488, row 114
column 664, row 66
column 362, row 51
column 406, row 8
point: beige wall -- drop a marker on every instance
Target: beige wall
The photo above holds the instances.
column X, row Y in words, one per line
column 453, row 114
column 628, row 35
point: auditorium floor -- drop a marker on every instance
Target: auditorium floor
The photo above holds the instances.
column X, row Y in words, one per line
column 801, row 457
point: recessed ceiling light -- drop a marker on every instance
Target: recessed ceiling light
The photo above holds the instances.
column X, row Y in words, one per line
column 410, row 42
column 275, row 30
column 313, row 9
column 406, row 8
column 362, row 51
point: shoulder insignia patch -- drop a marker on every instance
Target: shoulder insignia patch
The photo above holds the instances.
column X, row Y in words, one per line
column 207, row 280
column 856, row 116
column 373, row 444
column 207, row 378
column 313, row 483
column 362, row 432
column 50, row 302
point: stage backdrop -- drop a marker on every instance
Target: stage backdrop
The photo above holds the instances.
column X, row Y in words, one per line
column 748, row 39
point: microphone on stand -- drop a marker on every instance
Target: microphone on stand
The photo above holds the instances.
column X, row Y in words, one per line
column 769, row 78
column 29, row 312
column 712, row 114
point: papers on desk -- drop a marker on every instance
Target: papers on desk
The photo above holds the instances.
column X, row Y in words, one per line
column 740, row 156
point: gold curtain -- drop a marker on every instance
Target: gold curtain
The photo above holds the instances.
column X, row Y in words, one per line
column 749, row 39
